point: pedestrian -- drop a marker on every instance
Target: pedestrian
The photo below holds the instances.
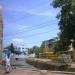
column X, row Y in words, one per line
column 7, row 64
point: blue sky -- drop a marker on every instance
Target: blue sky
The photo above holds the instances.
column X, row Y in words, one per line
column 28, row 22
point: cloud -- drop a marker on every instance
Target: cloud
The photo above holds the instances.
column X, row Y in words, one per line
column 21, row 28
column 17, row 40
column 46, row 13
column 19, row 9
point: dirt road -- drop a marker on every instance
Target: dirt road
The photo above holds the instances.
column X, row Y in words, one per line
column 27, row 69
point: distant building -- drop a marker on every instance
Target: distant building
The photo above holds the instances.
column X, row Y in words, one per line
column 1, row 30
column 20, row 48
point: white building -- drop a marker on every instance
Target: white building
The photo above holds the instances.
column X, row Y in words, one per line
column 21, row 48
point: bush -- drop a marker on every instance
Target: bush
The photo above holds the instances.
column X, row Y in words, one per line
column 46, row 65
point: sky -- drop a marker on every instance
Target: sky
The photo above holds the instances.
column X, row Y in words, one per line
column 28, row 22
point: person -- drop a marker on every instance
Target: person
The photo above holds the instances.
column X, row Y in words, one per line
column 6, row 54
column 3, row 60
column 7, row 64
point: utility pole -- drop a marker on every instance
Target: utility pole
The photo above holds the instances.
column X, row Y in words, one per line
column 1, row 30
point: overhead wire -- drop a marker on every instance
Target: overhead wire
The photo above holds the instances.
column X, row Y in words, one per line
column 41, row 33
column 39, row 26
column 36, row 27
column 33, row 8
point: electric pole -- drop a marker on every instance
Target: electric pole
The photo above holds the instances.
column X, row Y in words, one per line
column 1, row 30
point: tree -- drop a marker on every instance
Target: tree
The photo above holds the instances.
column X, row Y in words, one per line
column 11, row 48
column 30, row 50
column 34, row 49
column 66, row 21
column 17, row 52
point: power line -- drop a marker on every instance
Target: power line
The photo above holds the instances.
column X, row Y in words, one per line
column 35, row 35
column 39, row 26
column 40, row 33
column 22, row 18
column 34, row 42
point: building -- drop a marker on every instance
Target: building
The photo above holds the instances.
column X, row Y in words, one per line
column 1, row 30
column 20, row 48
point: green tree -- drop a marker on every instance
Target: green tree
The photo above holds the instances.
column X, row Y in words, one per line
column 30, row 50
column 34, row 49
column 11, row 47
column 66, row 21
column 17, row 52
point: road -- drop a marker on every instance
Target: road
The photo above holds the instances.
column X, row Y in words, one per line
column 26, row 69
